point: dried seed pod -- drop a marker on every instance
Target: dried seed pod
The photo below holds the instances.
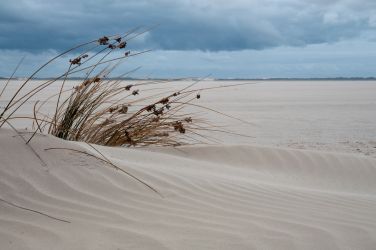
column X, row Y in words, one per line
column 111, row 46
column 123, row 109
column 135, row 92
column 150, row 107
column 128, row 87
column 158, row 112
column 76, row 60
column 188, row 119
column 178, row 126
column 198, row 96
column 87, row 82
column 168, row 106
column 122, row 45
column 118, row 39
column 112, row 109
column 164, row 100
column 103, row 40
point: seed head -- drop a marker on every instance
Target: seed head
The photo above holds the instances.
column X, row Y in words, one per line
column 87, row 82
column 188, row 119
column 123, row 109
column 122, row 45
column 150, row 107
column 76, row 60
column 103, row 40
column 178, row 126
column 128, row 87
column 164, row 100
column 112, row 109
column 158, row 112
column 111, row 46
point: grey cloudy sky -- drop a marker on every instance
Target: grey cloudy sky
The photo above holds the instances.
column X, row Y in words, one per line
column 238, row 38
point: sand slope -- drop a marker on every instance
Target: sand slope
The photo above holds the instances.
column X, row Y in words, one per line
column 214, row 197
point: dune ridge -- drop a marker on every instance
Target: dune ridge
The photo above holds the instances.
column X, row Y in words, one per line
column 214, row 197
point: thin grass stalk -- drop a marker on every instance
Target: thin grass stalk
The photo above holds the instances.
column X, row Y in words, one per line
column 11, row 77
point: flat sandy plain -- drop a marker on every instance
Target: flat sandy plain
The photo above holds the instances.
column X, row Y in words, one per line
column 302, row 178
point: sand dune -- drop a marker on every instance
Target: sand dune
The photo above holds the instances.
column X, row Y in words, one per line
column 256, row 192
column 214, row 197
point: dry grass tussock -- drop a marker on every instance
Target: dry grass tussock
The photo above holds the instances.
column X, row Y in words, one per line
column 111, row 111
column 108, row 110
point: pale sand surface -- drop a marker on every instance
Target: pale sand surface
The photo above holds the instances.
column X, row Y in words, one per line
column 245, row 193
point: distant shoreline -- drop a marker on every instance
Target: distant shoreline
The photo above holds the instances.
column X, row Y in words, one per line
column 217, row 79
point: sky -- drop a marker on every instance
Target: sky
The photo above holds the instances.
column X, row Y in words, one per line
column 198, row 38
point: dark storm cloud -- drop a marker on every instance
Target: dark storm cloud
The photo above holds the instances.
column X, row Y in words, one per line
column 212, row 25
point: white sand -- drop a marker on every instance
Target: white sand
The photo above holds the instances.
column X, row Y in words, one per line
column 235, row 195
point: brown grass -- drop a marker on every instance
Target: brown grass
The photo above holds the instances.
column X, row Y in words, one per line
column 111, row 111
column 107, row 111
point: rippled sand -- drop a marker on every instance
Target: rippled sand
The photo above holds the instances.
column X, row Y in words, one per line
column 255, row 192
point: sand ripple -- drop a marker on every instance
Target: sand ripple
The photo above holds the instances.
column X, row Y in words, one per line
column 214, row 197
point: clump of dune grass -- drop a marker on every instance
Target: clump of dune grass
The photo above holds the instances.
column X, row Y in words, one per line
column 109, row 111
column 103, row 111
